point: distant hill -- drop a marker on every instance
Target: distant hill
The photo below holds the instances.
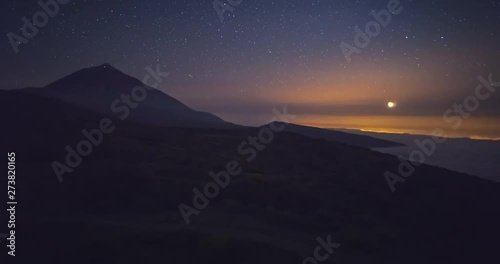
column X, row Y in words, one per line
column 95, row 88
column 341, row 137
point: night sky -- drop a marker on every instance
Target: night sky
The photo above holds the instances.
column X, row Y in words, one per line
column 267, row 54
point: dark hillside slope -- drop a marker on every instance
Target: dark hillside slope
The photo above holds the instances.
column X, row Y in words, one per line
column 121, row 203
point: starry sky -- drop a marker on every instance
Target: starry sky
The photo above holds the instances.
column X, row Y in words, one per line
column 266, row 54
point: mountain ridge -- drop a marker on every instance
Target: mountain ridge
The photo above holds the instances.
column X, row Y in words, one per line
column 339, row 136
column 100, row 88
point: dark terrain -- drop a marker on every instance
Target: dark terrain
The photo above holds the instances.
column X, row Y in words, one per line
column 121, row 204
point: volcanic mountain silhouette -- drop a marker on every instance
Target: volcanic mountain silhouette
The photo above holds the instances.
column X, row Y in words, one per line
column 101, row 88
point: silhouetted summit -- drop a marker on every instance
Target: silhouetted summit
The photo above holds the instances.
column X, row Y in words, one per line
column 107, row 90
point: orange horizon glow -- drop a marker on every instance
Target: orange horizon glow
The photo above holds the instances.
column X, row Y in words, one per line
column 481, row 128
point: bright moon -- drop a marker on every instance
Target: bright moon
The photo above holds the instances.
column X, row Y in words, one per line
column 391, row 104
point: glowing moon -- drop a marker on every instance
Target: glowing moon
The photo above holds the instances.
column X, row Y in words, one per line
column 391, row 104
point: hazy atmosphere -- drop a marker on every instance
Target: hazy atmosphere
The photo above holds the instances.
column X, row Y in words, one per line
column 426, row 59
column 250, row 131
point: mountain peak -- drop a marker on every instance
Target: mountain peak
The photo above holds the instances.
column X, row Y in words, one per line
column 102, row 69
column 104, row 66
column 103, row 76
column 103, row 88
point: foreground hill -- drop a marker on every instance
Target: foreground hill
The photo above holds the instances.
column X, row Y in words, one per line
column 121, row 203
